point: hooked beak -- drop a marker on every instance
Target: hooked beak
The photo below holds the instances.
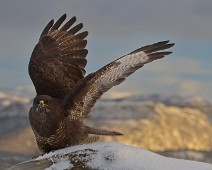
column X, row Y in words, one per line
column 41, row 102
column 41, row 106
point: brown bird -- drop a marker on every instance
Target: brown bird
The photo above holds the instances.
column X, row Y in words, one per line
column 65, row 96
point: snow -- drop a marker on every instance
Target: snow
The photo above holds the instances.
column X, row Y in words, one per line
column 63, row 164
column 116, row 156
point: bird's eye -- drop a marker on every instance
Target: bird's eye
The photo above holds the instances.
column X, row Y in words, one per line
column 37, row 102
column 46, row 102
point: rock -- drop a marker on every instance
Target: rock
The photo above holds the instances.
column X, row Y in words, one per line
column 103, row 155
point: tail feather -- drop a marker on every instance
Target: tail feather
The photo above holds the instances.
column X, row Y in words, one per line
column 90, row 139
column 91, row 130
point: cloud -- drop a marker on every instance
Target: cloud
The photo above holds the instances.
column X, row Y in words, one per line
column 118, row 94
column 202, row 8
column 179, row 65
column 190, row 88
column 194, row 88
column 184, row 18
column 114, row 28
column 119, row 21
column 153, row 18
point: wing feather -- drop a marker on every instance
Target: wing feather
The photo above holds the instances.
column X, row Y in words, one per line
column 58, row 60
column 47, row 28
column 67, row 25
column 58, row 23
column 91, row 88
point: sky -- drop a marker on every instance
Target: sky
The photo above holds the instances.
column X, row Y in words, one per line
column 117, row 27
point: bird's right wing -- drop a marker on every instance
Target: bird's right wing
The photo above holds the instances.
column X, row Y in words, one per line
column 91, row 88
column 58, row 60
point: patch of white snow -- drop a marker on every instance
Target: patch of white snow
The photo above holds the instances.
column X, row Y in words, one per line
column 116, row 156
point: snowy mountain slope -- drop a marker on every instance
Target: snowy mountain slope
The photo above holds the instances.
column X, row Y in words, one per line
column 108, row 156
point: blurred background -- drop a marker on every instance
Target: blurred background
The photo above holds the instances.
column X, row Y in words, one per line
column 164, row 107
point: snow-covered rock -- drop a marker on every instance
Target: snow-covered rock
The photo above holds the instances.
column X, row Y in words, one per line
column 108, row 156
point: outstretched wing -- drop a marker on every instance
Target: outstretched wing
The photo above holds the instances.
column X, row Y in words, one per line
column 91, row 88
column 58, row 60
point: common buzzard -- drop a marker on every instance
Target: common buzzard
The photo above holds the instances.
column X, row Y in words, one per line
column 65, row 96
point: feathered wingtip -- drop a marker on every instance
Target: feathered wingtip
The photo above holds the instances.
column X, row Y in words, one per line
column 163, row 45
column 51, row 26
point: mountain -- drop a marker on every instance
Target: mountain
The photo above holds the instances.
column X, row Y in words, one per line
column 174, row 126
column 160, row 127
column 114, row 156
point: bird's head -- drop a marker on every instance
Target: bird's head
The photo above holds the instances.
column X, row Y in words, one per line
column 45, row 114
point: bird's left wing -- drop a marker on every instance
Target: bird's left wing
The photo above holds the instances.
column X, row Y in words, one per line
column 91, row 88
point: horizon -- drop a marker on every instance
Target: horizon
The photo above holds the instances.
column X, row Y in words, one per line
column 27, row 93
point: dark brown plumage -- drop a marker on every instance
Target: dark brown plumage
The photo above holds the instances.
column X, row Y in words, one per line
column 64, row 96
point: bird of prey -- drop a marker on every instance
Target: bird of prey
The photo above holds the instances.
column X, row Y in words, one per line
column 65, row 96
